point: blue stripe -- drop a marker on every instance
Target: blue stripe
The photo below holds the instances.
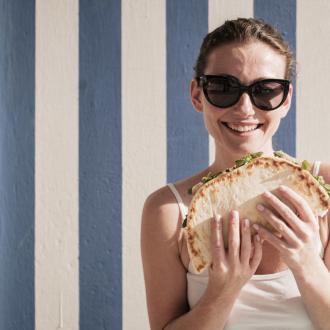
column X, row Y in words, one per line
column 17, row 207
column 100, row 177
column 283, row 16
column 187, row 139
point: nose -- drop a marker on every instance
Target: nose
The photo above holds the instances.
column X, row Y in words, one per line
column 244, row 105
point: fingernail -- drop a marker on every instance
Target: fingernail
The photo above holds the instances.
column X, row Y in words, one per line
column 267, row 194
column 258, row 238
column 246, row 223
column 256, row 227
column 260, row 207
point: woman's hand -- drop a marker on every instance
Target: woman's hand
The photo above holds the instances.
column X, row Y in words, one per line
column 298, row 242
column 232, row 268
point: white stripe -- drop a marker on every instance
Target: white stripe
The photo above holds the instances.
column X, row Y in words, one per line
column 222, row 10
column 219, row 12
column 313, row 47
column 56, row 163
column 144, row 137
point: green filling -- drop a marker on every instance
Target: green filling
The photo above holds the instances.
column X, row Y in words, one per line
column 305, row 165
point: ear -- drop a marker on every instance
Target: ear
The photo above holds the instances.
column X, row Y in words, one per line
column 287, row 103
column 196, row 95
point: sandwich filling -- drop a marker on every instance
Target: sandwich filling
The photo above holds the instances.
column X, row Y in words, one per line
column 305, row 165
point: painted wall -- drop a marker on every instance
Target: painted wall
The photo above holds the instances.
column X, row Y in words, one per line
column 95, row 115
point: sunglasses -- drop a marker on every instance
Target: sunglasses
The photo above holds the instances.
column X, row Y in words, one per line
column 224, row 91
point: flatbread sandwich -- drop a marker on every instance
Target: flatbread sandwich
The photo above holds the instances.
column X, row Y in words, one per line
column 240, row 188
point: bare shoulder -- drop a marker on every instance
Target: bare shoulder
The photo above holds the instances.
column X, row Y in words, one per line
column 160, row 213
column 162, row 205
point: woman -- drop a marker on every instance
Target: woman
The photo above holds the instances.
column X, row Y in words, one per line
column 260, row 282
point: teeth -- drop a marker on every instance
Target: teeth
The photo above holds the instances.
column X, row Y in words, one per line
column 242, row 128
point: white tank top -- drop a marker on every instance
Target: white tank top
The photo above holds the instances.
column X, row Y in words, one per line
column 267, row 302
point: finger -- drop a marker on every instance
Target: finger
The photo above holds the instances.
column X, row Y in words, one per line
column 283, row 230
column 245, row 241
column 299, row 203
column 233, row 236
column 217, row 248
column 265, row 234
column 257, row 253
column 286, row 213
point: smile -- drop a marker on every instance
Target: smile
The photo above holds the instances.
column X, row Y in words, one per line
column 241, row 129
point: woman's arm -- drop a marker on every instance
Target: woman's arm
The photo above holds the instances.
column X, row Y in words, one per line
column 313, row 281
column 165, row 275
column 211, row 312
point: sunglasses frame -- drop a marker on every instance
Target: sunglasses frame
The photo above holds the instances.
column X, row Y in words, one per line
column 204, row 79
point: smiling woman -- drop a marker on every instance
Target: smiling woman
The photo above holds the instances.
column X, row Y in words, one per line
column 252, row 63
column 242, row 88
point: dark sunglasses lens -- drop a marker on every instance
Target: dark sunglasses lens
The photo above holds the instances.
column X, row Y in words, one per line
column 222, row 91
column 268, row 95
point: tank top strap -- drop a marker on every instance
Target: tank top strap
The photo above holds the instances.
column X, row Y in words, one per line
column 182, row 206
column 316, row 168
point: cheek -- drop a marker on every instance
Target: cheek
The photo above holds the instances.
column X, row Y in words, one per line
column 272, row 122
column 212, row 113
column 211, row 119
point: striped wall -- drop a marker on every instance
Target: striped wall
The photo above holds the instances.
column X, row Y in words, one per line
column 144, row 137
column 100, row 164
column 94, row 115
column 17, row 164
column 186, row 25
column 56, row 165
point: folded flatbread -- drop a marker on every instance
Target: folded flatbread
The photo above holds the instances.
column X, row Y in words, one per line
column 241, row 189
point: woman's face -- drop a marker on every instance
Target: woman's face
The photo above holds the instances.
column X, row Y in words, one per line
column 249, row 63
